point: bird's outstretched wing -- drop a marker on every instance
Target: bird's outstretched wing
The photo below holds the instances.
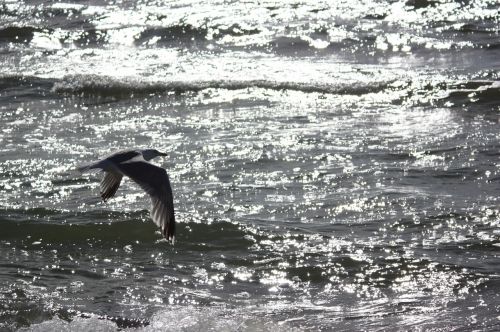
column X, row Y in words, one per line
column 110, row 184
column 154, row 180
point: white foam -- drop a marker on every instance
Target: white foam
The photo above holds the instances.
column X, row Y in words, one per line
column 176, row 318
column 77, row 324
column 210, row 319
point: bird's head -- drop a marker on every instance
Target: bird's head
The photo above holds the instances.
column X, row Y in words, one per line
column 149, row 154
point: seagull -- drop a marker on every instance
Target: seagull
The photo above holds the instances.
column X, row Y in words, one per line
column 151, row 178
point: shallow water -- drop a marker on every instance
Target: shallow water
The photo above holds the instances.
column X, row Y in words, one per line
column 334, row 166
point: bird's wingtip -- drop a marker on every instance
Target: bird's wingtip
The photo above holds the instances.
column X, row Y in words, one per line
column 169, row 235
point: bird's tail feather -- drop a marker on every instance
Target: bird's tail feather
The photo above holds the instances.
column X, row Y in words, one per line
column 88, row 167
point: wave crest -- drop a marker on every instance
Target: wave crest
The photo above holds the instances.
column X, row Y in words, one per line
column 94, row 84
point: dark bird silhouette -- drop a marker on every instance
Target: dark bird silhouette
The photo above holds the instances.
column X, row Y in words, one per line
column 151, row 178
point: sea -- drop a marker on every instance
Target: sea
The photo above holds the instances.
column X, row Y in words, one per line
column 335, row 165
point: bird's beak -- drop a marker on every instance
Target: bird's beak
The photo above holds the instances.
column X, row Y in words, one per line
column 163, row 154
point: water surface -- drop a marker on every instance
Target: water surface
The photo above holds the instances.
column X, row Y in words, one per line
column 334, row 166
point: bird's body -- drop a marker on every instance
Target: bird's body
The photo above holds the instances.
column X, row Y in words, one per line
column 152, row 179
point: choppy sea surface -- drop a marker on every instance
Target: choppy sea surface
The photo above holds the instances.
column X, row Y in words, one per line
column 335, row 165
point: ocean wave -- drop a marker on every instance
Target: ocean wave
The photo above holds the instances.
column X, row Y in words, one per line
column 18, row 34
column 99, row 85
column 473, row 92
column 178, row 34
column 91, row 38
column 72, row 228
column 294, row 45
column 187, row 33
column 109, row 86
column 172, row 318
column 83, row 34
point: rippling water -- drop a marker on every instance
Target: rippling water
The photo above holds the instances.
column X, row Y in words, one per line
column 335, row 166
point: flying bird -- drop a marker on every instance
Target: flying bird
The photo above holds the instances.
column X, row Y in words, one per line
column 151, row 178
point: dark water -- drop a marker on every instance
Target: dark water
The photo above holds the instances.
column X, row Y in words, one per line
column 335, row 165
